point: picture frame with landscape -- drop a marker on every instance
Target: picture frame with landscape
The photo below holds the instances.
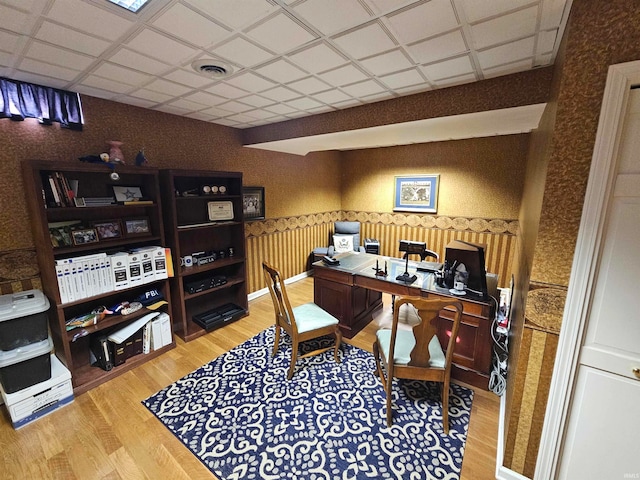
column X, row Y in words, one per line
column 138, row 226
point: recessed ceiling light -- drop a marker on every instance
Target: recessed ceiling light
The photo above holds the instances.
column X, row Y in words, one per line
column 131, row 5
column 212, row 68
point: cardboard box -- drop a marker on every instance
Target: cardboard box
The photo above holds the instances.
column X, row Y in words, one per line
column 23, row 319
column 40, row 399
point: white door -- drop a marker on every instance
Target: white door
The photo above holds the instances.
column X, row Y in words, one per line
column 592, row 423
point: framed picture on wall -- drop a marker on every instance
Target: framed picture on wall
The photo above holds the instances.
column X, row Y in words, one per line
column 253, row 203
column 416, row 193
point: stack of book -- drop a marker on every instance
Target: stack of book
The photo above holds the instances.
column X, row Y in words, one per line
column 89, row 275
column 60, row 191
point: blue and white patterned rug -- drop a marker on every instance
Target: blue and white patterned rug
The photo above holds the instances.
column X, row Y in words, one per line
column 242, row 418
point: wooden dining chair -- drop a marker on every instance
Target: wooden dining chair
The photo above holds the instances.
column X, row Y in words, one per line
column 415, row 353
column 302, row 323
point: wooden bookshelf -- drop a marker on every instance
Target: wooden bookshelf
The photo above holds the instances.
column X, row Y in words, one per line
column 92, row 180
column 190, row 230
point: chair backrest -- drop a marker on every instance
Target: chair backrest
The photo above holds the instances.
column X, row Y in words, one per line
column 348, row 228
column 429, row 312
column 278, row 292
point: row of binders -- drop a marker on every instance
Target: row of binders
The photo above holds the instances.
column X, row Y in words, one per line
column 95, row 274
column 144, row 335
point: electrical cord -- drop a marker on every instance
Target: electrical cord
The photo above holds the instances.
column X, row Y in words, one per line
column 498, row 377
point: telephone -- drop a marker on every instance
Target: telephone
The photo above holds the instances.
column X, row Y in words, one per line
column 330, row 261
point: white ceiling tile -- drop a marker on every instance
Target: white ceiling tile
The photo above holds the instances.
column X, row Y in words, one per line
column 191, row 79
column 241, row 118
column 105, row 84
column 280, row 94
column 215, row 111
column 235, row 107
column 15, row 20
column 139, row 102
column 507, row 69
column 168, row 88
column 121, row 74
column 151, row 95
column 64, row 58
column 304, row 103
column 129, row 58
column 385, row 6
column 9, row 41
column 543, row 60
column 459, row 80
column 387, row 63
column 318, row 58
column 6, row 59
column 234, row 13
column 476, row 10
column 552, row 12
column 448, row 68
column 348, row 103
column 547, row 41
column 225, row 122
column 332, row 97
column 413, row 89
column 368, row 87
column 94, row 92
column 376, row 97
column 256, row 101
column 26, row 4
column 321, row 109
column 168, row 108
column 280, row 34
column 200, row 116
column 241, row 52
column 71, row 39
column 365, row 41
column 160, row 47
column 309, row 85
column 508, row 53
column 90, row 19
column 343, row 75
column 227, row 91
column 331, row 16
column 280, row 109
column 250, row 82
column 425, row 20
column 187, row 25
column 47, row 69
column 403, row 79
column 205, row 98
column 281, row 71
column 449, row 45
column 260, row 114
column 505, row 28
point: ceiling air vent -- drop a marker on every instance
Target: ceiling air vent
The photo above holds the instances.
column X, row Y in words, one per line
column 212, row 68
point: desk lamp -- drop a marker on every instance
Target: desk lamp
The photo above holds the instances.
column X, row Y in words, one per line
column 409, row 248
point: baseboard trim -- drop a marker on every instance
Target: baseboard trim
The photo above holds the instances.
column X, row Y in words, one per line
column 502, row 472
column 264, row 291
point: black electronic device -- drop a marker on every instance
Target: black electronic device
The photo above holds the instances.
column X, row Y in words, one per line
column 472, row 255
column 205, row 284
column 100, row 352
column 410, row 247
column 330, row 260
column 218, row 316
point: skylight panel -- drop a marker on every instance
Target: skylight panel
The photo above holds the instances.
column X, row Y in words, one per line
column 131, row 5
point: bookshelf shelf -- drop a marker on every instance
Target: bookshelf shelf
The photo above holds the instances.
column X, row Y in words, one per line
column 189, row 231
column 47, row 218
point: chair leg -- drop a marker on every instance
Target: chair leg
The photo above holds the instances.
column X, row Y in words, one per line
column 445, row 406
column 294, row 358
column 338, row 335
column 389, row 411
column 276, row 341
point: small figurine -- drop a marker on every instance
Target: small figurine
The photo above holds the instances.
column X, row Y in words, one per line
column 140, row 158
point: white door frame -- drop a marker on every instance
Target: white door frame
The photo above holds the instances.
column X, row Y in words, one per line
column 579, row 295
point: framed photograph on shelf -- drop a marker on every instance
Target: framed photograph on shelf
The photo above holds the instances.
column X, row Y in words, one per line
column 253, row 203
column 416, row 193
column 84, row 236
column 108, row 229
column 127, row 194
column 60, row 233
column 137, row 226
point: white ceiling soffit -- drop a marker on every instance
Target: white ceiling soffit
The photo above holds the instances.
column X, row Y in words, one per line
column 506, row 121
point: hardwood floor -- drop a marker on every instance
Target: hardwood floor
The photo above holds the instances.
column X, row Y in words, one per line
column 107, row 433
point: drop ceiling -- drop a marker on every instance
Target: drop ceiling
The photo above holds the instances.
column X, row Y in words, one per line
column 289, row 58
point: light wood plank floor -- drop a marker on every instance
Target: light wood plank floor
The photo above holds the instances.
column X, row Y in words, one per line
column 107, row 433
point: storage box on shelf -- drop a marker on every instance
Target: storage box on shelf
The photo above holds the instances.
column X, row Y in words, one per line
column 79, row 225
column 205, row 228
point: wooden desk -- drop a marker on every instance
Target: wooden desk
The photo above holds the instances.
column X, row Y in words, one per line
column 352, row 293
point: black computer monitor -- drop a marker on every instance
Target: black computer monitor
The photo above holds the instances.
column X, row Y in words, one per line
column 472, row 255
